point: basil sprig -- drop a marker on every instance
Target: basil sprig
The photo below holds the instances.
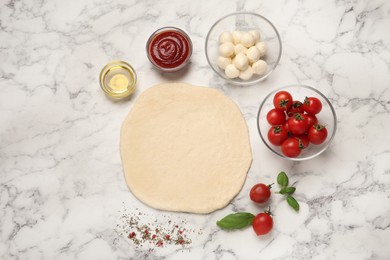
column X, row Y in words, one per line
column 236, row 221
column 282, row 180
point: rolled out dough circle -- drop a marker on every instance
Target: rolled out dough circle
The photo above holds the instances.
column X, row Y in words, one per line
column 185, row 148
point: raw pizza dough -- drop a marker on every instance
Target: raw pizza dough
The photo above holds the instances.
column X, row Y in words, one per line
column 185, row 148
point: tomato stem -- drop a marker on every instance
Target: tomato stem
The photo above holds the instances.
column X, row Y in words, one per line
column 306, row 101
column 268, row 211
column 283, row 103
column 300, row 144
column 318, row 127
column 298, row 116
column 277, row 129
column 297, row 104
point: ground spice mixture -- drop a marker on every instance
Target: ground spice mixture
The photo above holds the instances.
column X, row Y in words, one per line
column 143, row 229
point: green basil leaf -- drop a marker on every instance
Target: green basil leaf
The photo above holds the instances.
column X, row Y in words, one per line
column 287, row 190
column 282, row 179
column 236, row 221
column 293, row 203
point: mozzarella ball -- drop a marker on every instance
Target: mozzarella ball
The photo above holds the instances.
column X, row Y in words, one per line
column 259, row 67
column 226, row 49
column 231, row 71
column 222, row 62
column 241, row 61
column 236, row 37
column 247, row 40
column 225, row 37
column 239, row 48
column 256, row 35
column 253, row 54
column 262, row 48
column 246, row 74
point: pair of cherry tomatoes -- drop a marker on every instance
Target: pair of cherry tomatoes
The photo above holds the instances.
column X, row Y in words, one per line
column 294, row 123
column 262, row 223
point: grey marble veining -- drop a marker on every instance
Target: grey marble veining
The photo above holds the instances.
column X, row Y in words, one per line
column 62, row 190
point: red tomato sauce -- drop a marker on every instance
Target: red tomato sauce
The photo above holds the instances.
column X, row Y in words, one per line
column 169, row 49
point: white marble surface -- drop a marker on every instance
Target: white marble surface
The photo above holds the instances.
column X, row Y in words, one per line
column 62, row 190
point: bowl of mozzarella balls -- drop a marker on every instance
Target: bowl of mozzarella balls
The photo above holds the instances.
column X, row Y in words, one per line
column 243, row 48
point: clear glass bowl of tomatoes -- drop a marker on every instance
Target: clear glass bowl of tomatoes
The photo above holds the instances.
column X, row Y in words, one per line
column 296, row 122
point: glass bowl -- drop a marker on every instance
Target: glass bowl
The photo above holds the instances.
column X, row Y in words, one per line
column 118, row 79
column 169, row 49
column 244, row 21
column 326, row 117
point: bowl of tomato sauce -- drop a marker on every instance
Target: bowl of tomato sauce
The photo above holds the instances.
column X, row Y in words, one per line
column 169, row 49
column 296, row 122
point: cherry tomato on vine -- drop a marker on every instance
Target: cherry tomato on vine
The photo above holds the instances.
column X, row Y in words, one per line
column 298, row 124
column 262, row 224
column 312, row 105
column 317, row 134
column 277, row 134
column 276, row 117
column 296, row 107
column 291, row 147
column 260, row 193
column 282, row 100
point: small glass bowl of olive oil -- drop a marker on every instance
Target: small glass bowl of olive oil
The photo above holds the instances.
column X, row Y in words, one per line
column 118, row 79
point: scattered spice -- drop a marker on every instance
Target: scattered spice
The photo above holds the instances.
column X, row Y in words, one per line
column 160, row 243
column 139, row 229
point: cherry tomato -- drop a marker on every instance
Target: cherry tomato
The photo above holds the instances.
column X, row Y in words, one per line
column 277, row 134
column 296, row 107
column 291, row 147
column 276, row 117
column 285, row 125
column 297, row 124
column 263, row 223
column 312, row 105
column 260, row 193
column 317, row 134
column 282, row 100
column 311, row 119
column 304, row 139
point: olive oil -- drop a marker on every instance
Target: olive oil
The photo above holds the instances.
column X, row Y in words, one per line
column 118, row 79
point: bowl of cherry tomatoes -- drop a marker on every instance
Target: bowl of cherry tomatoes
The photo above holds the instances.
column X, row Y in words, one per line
column 296, row 122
